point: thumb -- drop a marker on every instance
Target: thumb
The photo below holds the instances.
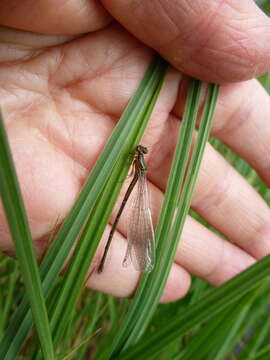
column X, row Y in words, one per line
column 213, row 40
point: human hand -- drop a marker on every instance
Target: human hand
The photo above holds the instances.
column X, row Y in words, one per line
column 62, row 94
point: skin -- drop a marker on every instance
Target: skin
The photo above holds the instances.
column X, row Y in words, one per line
column 67, row 71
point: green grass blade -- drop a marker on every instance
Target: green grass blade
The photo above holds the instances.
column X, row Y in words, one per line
column 265, row 81
column 112, row 310
column 186, row 194
column 211, row 304
column 149, row 295
column 150, row 288
column 261, row 328
column 83, row 255
column 19, row 228
column 196, row 159
column 264, row 5
column 232, row 334
column 224, row 330
column 218, row 330
column 264, row 354
column 93, row 311
column 185, row 200
column 82, row 328
column 10, row 295
column 116, row 148
column 231, row 339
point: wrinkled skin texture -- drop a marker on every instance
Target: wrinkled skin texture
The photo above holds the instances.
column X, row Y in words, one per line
column 67, row 71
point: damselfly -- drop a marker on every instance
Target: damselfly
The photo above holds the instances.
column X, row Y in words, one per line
column 140, row 234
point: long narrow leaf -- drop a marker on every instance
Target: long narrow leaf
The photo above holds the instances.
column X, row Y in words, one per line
column 185, row 200
column 211, row 304
column 221, row 330
column 22, row 239
column 264, row 354
column 116, row 148
column 261, row 328
column 150, row 288
column 90, row 238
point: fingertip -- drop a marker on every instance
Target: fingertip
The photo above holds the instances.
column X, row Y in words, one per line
column 230, row 270
column 177, row 285
column 260, row 246
column 122, row 282
column 114, row 279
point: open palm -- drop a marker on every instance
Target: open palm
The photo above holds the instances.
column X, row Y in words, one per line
column 61, row 96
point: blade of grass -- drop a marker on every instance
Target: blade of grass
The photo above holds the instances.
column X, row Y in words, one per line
column 153, row 290
column 222, row 329
column 264, row 5
column 185, row 200
column 93, row 311
column 147, row 295
column 8, row 301
column 84, row 252
column 19, row 229
column 263, row 354
column 74, row 350
column 82, row 326
column 261, row 329
column 3, row 259
column 168, row 244
column 211, row 304
column 112, row 310
column 232, row 335
column 199, row 289
column 265, row 80
column 58, row 252
column 90, row 238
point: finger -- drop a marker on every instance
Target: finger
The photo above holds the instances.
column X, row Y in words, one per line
column 231, row 205
column 242, row 122
column 208, row 256
column 26, row 45
column 42, row 16
column 219, row 41
column 122, row 281
column 226, row 201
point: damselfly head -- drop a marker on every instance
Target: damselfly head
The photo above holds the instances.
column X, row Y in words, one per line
column 141, row 149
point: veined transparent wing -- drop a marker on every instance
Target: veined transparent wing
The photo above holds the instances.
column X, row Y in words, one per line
column 140, row 233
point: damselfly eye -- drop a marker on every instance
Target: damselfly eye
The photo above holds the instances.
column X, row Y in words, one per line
column 142, row 149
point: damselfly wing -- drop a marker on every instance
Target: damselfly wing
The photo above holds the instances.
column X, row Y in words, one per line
column 140, row 233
